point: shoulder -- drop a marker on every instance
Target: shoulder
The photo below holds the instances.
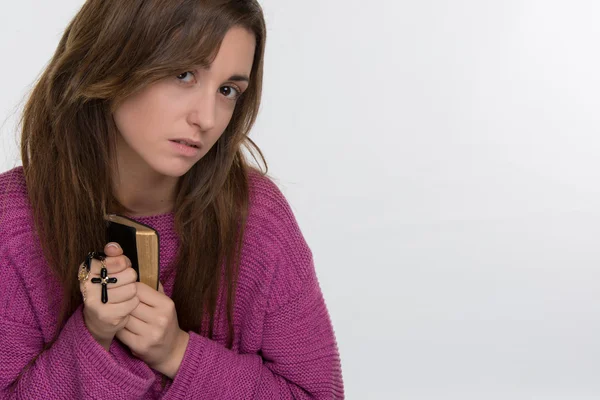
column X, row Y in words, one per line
column 20, row 254
column 275, row 228
column 14, row 202
column 270, row 209
column 13, row 181
column 267, row 201
column 15, row 211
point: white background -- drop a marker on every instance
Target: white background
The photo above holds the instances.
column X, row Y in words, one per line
column 442, row 160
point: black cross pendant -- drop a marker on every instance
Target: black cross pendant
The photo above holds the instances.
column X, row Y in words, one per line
column 104, row 280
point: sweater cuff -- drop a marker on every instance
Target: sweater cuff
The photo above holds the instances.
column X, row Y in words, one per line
column 188, row 369
column 101, row 365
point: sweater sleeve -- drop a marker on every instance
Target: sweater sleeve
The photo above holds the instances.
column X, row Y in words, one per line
column 299, row 359
column 74, row 367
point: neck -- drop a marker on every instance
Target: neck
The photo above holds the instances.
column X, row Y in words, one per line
column 142, row 190
column 145, row 197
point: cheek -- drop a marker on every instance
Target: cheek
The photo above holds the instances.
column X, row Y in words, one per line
column 222, row 124
column 144, row 109
column 137, row 119
column 127, row 118
column 122, row 125
column 227, row 116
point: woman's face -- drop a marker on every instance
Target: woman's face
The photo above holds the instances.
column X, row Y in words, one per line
column 195, row 106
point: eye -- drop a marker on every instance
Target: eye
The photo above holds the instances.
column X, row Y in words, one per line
column 187, row 74
column 231, row 92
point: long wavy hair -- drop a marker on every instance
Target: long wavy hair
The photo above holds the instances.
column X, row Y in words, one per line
column 110, row 50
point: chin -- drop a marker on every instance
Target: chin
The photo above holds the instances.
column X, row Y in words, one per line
column 173, row 169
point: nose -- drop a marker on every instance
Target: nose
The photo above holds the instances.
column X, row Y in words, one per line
column 203, row 111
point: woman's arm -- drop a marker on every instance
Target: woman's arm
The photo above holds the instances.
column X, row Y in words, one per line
column 299, row 358
column 74, row 367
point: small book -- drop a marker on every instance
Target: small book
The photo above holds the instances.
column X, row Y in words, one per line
column 140, row 243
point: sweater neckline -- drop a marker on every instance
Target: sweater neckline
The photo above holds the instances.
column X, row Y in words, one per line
column 149, row 219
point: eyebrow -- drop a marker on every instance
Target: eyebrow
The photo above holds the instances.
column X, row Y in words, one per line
column 239, row 78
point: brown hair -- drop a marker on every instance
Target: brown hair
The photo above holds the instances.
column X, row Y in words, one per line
column 110, row 50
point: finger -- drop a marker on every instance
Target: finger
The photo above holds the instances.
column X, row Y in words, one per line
column 144, row 312
column 129, row 338
column 126, row 277
column 115, row 295
column 136, row 325
column 114, row 265
column 117, row 264
column 121, row 294
column 115, row 310
column 125, row 308
column 161, row 288
column 148, row 295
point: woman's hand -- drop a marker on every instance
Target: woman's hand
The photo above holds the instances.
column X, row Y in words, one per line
column 105, row 320
column 152, row 332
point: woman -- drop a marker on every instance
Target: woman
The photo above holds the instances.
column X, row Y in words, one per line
column 144, row 111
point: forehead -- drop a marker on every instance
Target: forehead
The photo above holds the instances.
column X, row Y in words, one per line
column 236, row 53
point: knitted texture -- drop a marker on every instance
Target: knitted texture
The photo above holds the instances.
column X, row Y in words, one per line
column 284, row 346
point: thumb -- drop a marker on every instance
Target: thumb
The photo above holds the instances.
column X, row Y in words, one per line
column 113, row 249
column 161, row 288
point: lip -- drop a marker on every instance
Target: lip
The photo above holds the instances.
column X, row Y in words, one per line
column 188, row 141
column 185, row 150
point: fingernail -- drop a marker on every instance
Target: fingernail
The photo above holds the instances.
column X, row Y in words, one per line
column 115, row 245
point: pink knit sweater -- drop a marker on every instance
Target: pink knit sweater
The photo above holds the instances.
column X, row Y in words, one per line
column 284, row 345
